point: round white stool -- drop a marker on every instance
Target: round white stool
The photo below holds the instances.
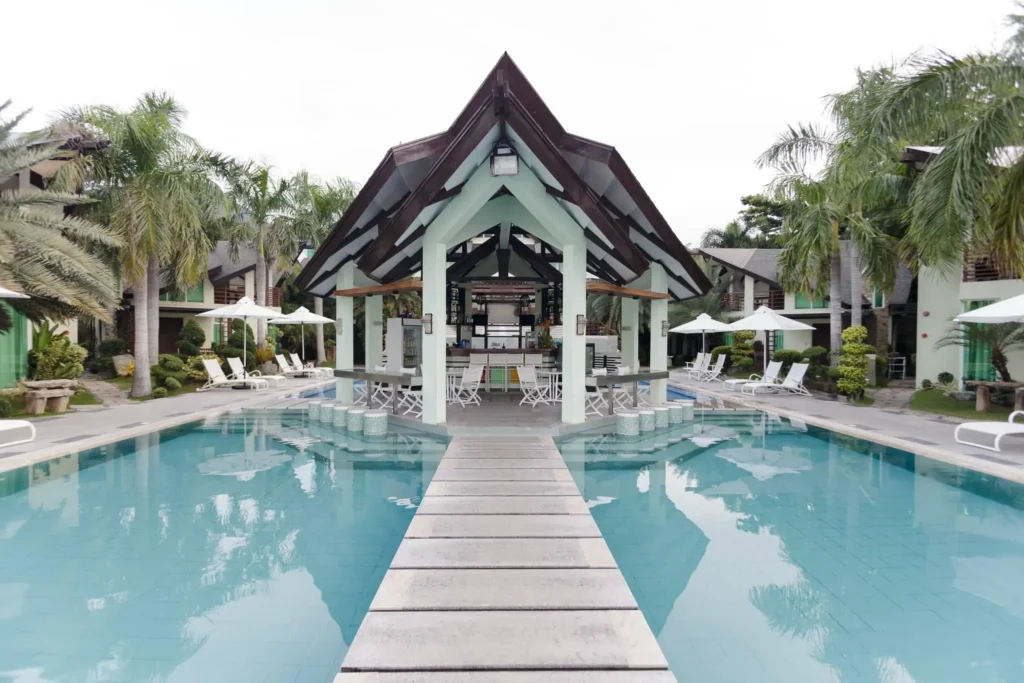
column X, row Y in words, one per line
column 661, row 417
column 646, row 420
column 675, row 413
column 341, row 416
column 375, row 423
column 327, row 413
column 627, row 424
column 355, row 419
column 313, row 411
column 687, row 410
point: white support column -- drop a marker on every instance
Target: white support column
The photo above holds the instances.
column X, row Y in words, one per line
column 631, row 334
column 435, row 266
column 659, row 342
column 574, row 350
column 374, row 331
column 344, row 331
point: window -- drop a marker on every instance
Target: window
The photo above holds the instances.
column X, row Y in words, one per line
column 803, row 301
column 978, row 355
column 194, row 295
column 727, row 339
column 878, row 300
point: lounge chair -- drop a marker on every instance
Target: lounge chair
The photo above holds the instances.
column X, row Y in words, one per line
column 217, row 378
column 700, row 364
column 238, row 371
column 711, row 374
column 533, row 391
column 771, row 376
column 285, row 368
column 995, row 429
column 18, row 431
column 319, row 372
column 794, row 382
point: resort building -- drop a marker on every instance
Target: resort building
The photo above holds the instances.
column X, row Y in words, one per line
column 505, row 182
column 754, row 281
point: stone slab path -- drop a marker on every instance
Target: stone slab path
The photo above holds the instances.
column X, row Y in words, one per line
column 503, row 577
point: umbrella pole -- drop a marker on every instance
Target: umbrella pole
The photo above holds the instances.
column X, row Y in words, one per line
column 302, row 331
column 245, row 338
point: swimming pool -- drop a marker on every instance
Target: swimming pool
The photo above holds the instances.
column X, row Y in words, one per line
column 331, row 392
column 763, row 550
column 247, row 548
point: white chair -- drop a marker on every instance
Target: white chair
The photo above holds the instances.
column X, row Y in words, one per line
column 18, row 431
column 700, row 364
column 620, row 395
column 712, row 374
column 382, row 392
column 285, row 368
column 996, row 429
column 533, row 391
column 595, row 399
column 794, row 382
column 412, row 399
column 320, row 372
column 468, row 390
column 238, row 371
column 771, row 376
column 216, row 378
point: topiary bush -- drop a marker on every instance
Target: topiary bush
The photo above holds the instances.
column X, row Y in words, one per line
column 853, row 363
column 742, row 347
column 169, row 362
column 192, row 333
column 926, row 384
column 5, row 407
column 719, row 350
column 172, row 384
column 744, row 365
column 787, row 357
column 111, row 347
column 816, row 355
column 170, row 367
column 945, row 378
column 159, row 392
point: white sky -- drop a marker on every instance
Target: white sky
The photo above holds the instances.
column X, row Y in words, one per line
column 690, row 93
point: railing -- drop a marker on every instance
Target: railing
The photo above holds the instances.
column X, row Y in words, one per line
column 732, row 301
column 775, row 300
column 274, row 297
column 984, row 270
column 228, row 294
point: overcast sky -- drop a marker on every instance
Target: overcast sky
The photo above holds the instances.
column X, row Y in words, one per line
column 690, row 93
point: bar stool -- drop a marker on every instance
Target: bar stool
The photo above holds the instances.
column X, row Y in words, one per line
column 313, row 411
column 341, row 417
column 375, row 423
column 646, row 420
column 627, row 424
column 327, row 413
column 660, row 417
column 354, row 423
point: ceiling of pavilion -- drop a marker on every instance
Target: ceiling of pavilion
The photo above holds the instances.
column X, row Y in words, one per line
column 383, row 230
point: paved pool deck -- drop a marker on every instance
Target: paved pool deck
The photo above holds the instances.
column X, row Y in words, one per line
column 97, row 426
column 923, row 434
column 503, row 576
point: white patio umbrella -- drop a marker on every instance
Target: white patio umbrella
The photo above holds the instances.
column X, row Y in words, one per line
column 765, row 319
column 702, row 324
column 10, row 294
column 1005, row 311
column 244, row 308
column 300, row 316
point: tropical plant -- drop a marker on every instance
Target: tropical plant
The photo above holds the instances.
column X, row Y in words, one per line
column 60, row 359
column 854, row 198
column 317, row 208
column 970, row 197
column 155, row 190
column 44, row 253
column 945, row 377
column 853, row 362
column 191, row 339
column 129, row 369
column 194, row 368
column 160, row 392
column 741, row 353
column 264, row 354
column 732, row 236
column 5, row 408
column 1000, row 339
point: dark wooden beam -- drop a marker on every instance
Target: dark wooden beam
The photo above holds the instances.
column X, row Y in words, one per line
column 464, row 142
column 404, row 268
column 606, row 288
column 390, row 288
column 539, row 265
column 330, row 273
column 458, row 270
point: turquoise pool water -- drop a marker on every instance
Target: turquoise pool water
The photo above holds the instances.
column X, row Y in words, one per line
column 763, row 550
column 243, row 549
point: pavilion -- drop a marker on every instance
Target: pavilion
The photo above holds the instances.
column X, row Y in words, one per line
column 504, row 190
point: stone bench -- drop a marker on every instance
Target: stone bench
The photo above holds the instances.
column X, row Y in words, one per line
column 49, row 395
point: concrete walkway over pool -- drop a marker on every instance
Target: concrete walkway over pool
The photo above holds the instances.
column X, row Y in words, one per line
column 503, row 576
column 923, row 434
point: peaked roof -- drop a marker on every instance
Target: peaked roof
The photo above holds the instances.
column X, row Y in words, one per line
column 383, row 229
column 762, row 264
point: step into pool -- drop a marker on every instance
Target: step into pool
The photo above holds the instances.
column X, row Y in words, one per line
column 246, row 548
column 760, row 549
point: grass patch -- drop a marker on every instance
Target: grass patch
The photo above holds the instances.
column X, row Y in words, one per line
column 932, row 401
column 82, row 397
column 125, row 384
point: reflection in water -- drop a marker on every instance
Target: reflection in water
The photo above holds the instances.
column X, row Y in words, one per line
column 760, row 550
column 244, row 549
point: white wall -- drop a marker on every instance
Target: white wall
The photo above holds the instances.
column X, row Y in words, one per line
column 940, row 297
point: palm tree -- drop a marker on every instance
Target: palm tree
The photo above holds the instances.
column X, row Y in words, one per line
column 44, row 253
column 317, row 208
column 260, row 205
column 711, row 303
column 861, row 177
column 969, row 198
column 154, row 189
column 732, row 236
column 1001, row 339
